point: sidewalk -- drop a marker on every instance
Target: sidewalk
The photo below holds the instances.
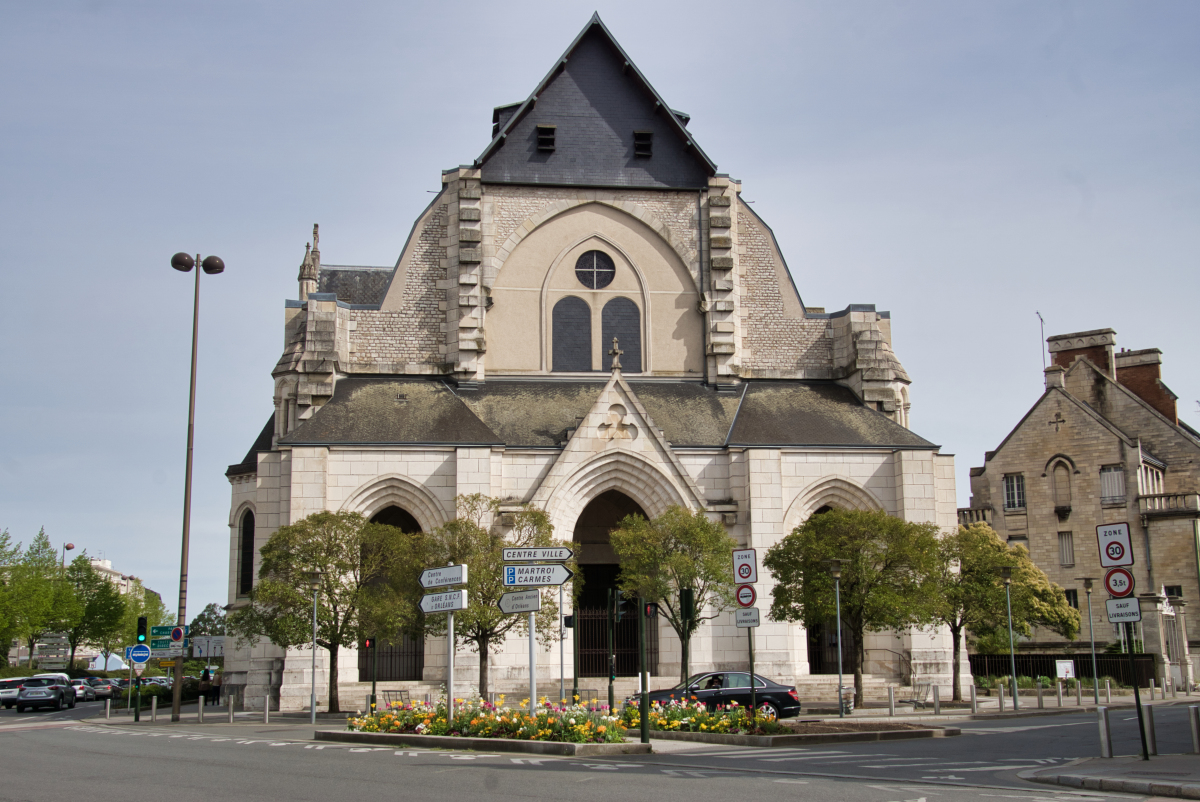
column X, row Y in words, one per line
column 1164, row 775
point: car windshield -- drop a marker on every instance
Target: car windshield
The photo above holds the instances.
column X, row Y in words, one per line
column 691, row 681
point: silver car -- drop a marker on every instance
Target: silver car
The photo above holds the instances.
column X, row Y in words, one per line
column 84, row 692
column 9, row 688
column 45, row 692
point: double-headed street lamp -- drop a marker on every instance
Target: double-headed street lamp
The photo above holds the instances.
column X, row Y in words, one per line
column 835, row 570
column 314, row 583
column 1006, row 575
column 212, row 265
column 1087, row 586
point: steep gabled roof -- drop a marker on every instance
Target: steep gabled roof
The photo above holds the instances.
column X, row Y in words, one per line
column 595, row 96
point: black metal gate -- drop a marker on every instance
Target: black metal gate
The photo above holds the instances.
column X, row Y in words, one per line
column 592, row 631
column 403, row 660
column 823, row 650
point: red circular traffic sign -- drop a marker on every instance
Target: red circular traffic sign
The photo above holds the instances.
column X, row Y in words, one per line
column 1115, row 550
column 746, row 595
column 177, row 634
column 1119, row 582
column 744, row 571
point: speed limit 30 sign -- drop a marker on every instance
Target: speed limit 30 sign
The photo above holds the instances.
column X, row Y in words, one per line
column 1116, row 546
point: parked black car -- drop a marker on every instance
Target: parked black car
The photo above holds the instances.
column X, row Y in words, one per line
column 720, row 688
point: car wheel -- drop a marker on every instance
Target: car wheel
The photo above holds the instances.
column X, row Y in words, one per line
column 74, row 700
column 768, row 711
column 20, row 708
column 58, row 703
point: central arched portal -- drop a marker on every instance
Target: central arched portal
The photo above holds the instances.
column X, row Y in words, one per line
column 401, row 655
column 599, row 567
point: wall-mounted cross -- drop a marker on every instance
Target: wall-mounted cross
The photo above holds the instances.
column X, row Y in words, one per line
column 1059, row 420
column 615, row 353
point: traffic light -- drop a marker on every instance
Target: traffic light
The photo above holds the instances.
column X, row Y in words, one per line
column 141, row 635
column 569, row 621
column 687, row 604
column 652, row 609
column 368, row 643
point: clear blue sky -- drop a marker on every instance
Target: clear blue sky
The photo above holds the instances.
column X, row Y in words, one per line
column 962, row 165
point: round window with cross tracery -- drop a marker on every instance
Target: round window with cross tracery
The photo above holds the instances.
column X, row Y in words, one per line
column 595, row 270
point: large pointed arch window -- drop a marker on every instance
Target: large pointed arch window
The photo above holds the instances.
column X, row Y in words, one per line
column 622, row 319
column 571, row 331
column 246, row 553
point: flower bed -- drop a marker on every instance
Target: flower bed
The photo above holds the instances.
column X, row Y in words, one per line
column 481, row 719
column 690, row 715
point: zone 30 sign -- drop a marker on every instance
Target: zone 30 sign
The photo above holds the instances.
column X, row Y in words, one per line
column 1116, row 547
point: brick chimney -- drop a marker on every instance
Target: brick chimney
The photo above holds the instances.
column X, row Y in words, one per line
column 1141, row 372
column 1096, row 345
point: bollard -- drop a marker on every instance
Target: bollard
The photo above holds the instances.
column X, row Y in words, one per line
column 1058, row 689
column 1174, row 689
column 1194, row 718
column 1079, row 692
column 229, row 706
column 891, row 701
column 1105, row 732
column 1000, row 688
column 200, row 710
column 1039, row 693
column 267, row 710
column 108, row 708
column 153, row 709
column 1151, row 741
column 1107, row 691
column 937, row 701
column 974, row 701
column 1151, row 689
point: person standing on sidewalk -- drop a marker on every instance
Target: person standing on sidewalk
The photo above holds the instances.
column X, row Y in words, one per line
column 216, row 689
column 206, row 685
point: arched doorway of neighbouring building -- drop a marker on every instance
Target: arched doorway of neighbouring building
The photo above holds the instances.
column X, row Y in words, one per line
column 402, row 655
column 823, row 641
column 599, row 567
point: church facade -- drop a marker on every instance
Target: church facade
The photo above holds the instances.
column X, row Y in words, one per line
column 589, row 319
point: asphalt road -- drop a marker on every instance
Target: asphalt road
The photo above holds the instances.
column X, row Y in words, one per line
column 53, row 757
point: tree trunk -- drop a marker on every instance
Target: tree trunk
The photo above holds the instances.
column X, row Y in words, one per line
column 956, row 635
column 31, row 643
column 484, row 683
column 856, row 657
column 685, row 643
column 71, row 664
column 333, row 680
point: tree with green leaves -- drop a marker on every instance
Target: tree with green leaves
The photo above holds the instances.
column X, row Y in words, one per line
column 210, row 621
column 101, row 610
column 472, row 539
column 677, row 552
column 971, row 595
column 888, row 573
column 10, row 553
column 355, row 559
column 41, row 601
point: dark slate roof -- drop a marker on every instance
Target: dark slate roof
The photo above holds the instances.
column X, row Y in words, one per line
column 249, row 463
column 538, row 414
column 814, row 414
column 355, row 285
column 596, row 97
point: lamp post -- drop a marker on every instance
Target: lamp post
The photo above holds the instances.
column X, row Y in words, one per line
column 835, row 570
column 66, row 547
column 212, row 265
column 314, row 583
column 1087, row 586
column 1006, row 575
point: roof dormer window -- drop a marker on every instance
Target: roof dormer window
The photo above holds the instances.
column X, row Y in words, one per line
column 643, row 144
column 545, row 138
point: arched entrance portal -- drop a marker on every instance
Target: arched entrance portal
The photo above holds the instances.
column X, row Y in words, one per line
column 402, row 655
column 823, row 640
column 599, row 567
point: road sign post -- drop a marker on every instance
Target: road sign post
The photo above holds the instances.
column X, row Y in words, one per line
column 550, row 555
column 444, row 577
column 536, row 575
column 745, row 566
column 1119, row 582
column 446, row 603
column 523, row 576
column 1116, row 546
column 746, row 596
column 643, row 675
column 138, row 654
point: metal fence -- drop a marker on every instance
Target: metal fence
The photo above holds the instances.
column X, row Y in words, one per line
column 403, row 660
column 592, row 631
column 1115, row 666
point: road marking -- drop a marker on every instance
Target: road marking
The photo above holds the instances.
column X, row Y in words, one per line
column 793, row 782
column 700, row 773
column 999, row 730
column 820, row 757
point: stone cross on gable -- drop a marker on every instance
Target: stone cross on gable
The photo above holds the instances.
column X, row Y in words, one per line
column 1059, row 420
column 615, row 353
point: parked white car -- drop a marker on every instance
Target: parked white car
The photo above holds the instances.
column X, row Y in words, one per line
column 9, row 688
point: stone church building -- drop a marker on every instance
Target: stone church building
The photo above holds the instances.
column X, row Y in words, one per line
column 482, row 362
column 1104, row 444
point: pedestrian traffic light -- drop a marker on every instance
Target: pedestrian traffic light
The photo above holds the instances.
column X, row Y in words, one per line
column 141, row 635
column 652, row 609
column 569, row 621
column 687, row 604
column 368, row 643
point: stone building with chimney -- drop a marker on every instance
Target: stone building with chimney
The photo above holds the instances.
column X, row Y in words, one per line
column 1104, row 444
column 482, row 362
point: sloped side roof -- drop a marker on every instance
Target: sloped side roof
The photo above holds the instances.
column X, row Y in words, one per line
column 815, row 414
column 355, row 285
column 596, row 97
column 249, row 463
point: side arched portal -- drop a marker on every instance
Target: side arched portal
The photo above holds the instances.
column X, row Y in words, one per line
column 401, row 655
column 600, row 569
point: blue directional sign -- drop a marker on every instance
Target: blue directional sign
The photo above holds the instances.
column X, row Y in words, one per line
column 139, row 653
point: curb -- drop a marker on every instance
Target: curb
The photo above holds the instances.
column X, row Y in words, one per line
column 768, row 741
column 483, row 744
column 1094, row 783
